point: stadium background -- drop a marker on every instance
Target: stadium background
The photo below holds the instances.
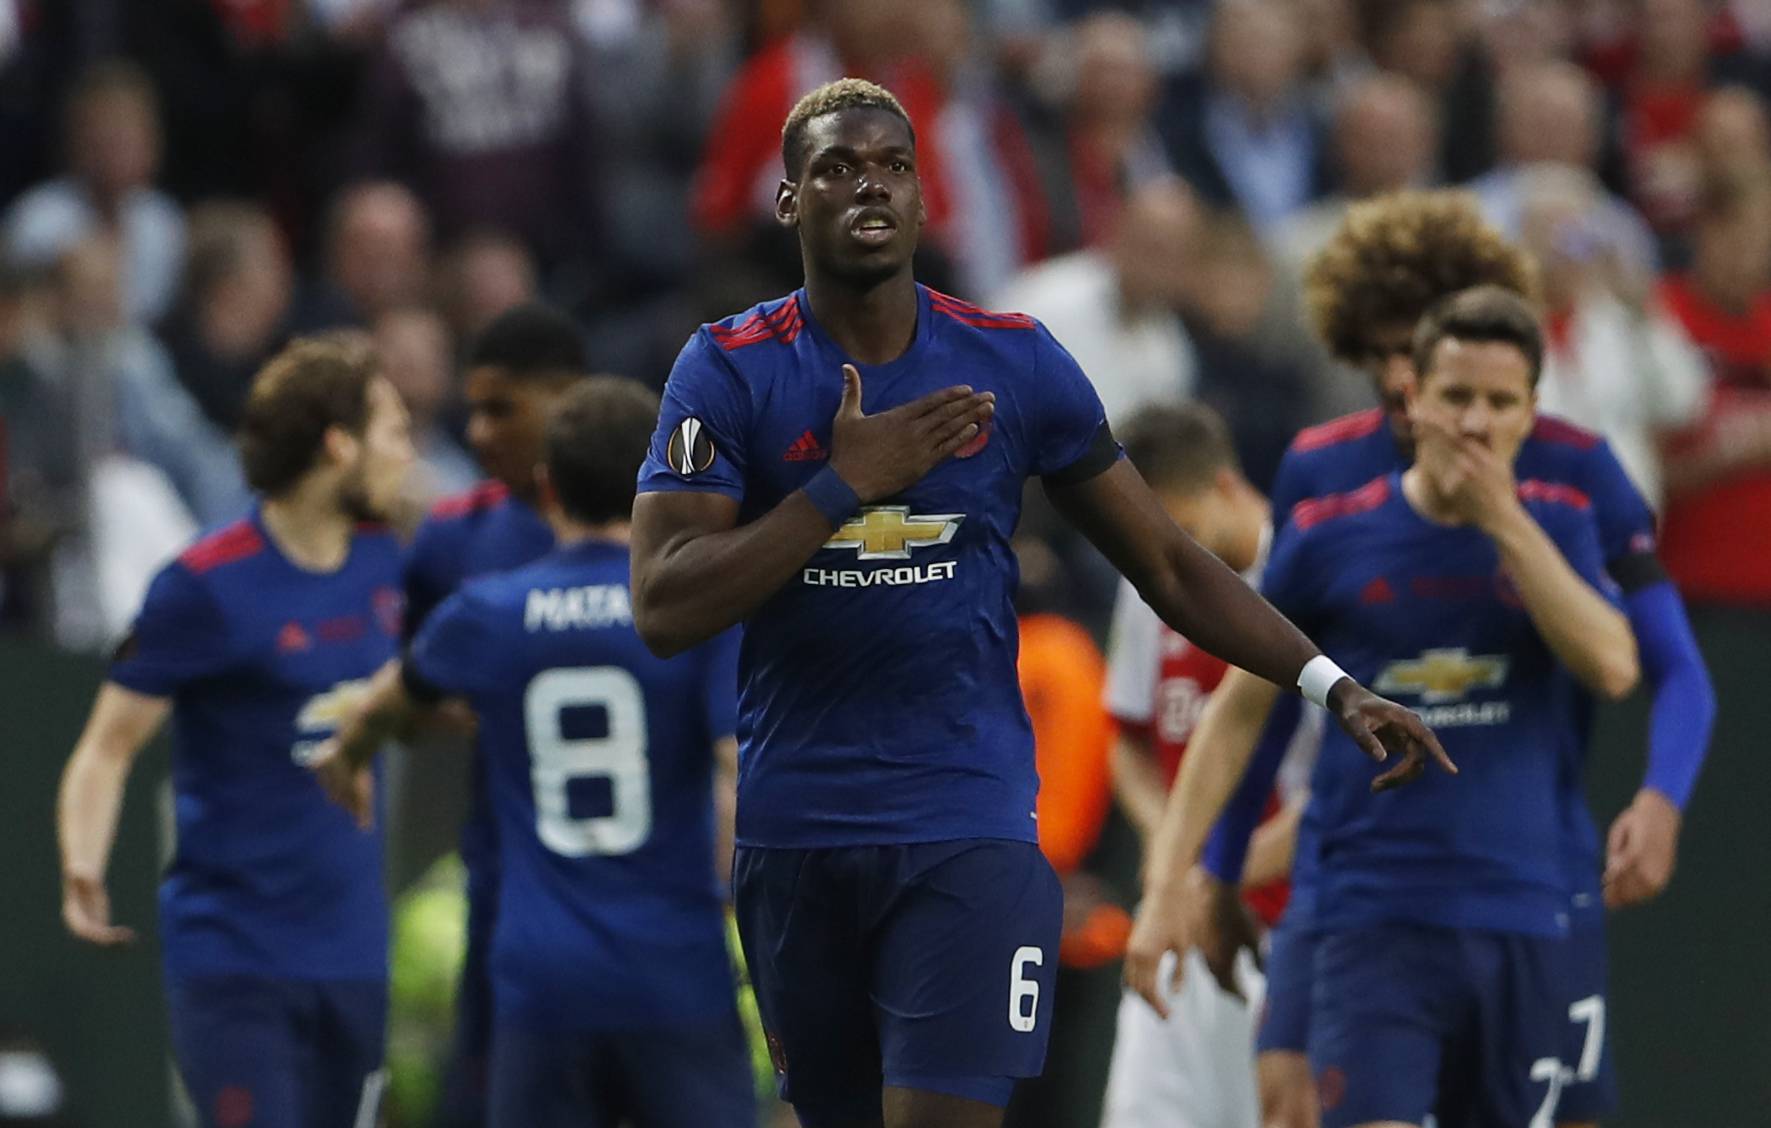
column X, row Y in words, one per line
column 1146, row 176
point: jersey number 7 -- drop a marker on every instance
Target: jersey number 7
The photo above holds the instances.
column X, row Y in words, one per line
column 619, row 756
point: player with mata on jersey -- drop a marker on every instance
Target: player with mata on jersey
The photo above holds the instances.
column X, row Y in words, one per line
column 255, row 641
column 612, row 988
column 841, row 470
column 1440, row 925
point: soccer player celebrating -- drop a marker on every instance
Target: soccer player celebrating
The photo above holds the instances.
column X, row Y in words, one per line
column 1391, row 259
column 1194, row 1066
column 255, row 641
column 517, row 370
column 1440, row 921
column 841, row 469
column 612, row 987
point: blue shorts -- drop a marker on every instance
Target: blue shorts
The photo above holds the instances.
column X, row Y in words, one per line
column 927, row 966
column 277, row 1053
column 1409, row 1020
column 1285, row 1015
column 689, row 1076
column 1590, row 1092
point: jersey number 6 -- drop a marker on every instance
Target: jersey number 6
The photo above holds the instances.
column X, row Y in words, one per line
column 619, row 755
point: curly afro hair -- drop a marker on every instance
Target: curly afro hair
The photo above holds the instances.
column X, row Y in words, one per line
column 1394, row 257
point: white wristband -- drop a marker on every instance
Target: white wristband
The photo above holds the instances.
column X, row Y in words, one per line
column 1317, row 678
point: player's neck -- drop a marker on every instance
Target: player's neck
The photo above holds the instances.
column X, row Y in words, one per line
column 309, row 528
column 875, row 325
column 567, row 532
column 1251, row 537
column 1426, row 499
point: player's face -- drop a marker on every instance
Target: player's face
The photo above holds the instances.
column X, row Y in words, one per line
column 858, row 203
column 506, row 422
column 1389, row 361
column 371, row 489
column 1480, row 391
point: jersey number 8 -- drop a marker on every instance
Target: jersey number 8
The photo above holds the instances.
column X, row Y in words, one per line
column 619, row 756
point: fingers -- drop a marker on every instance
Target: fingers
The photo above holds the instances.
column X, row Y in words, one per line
column 1409, row 770
column 851, row 392
column 934, row 401
column 1422, row 737
column 363, row 800
column 1177, row 977
column 87, row 914
column 1140, row 976
column 1364, row 737
column 971, row 408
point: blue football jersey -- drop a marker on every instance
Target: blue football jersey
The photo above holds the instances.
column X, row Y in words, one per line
column 477, row 533
column 1424, row 614
column 599, row 758
column 879, row 701
column 1345, row 453
column 261, row 659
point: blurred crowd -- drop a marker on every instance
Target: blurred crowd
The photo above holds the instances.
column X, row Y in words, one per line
column 189, row 183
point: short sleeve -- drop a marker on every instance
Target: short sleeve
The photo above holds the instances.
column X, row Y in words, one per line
column 1071, row 441
column 1134, row 656
column 1625, row 522
column 180, row 636
column 1285, row 583
column 455, row 652
column 719, row 683
column 702, row 424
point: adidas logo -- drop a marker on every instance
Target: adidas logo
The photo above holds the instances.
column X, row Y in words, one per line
column 806, row 448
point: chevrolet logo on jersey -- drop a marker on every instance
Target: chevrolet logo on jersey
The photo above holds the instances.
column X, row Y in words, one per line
column 1443, row 675
column 889, row 532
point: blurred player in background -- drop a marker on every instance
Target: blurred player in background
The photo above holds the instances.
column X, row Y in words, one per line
column 1390, row 261
column 1440, row 922
column 612, row 987
column 255, row 642
column 517, row 370
column 1193, row 1067
column 900, row 923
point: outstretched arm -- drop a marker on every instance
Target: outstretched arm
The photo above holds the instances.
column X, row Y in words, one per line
column 121, row 723
column 1196, row 594
column 696, row 571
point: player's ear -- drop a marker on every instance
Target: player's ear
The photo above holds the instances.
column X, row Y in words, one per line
column 340, row 446
column 787, row 204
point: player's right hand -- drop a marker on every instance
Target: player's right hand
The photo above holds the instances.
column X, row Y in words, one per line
column 86, row 910
column 1162, row 925
column 879, row 455
column 1380, row 727
column 348, row 785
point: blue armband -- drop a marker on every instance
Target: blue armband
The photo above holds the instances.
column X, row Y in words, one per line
column 832, row 496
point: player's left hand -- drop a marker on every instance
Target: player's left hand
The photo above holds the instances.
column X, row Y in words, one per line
column 346, row 784
column 1642, row 851
column 1163, row 924
column 1490, row 493
column 1380, row 727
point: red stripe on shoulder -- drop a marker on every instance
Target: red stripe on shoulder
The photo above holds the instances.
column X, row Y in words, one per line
column 1342, row 430
column 224, row 546
column 783, row 323
column 1372, row 494
column 482, row 497
column 1552, row 429
column 1534, row 489
column 969, row 314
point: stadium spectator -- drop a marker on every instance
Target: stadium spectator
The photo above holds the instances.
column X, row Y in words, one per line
column 235, row 310
column 1115, row 307
column 111, row 136
column 478, row 106
column 1615, row 362
column 377, row 258
column 1245, row 133
column 1101, row 143
column 482, row 275
column 1385, row 135
column 1254, row 363
column 734, row 190
column 1553, row 113
column 1717, row 537
column 417, row 359
column 1732, row 136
